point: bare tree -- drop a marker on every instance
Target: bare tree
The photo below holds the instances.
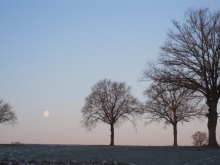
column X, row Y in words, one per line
column 7, row 116
column 111, row 103
column 190, row 58
column 200, row 138
column 172, row 105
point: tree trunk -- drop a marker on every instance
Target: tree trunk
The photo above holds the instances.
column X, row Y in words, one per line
column 212, row 123
column 175, row 134
column 112, row 135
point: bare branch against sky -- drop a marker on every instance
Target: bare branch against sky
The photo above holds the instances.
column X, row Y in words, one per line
column 7, row 116
column 172, row 105
column 190, row 58
column 110, row 103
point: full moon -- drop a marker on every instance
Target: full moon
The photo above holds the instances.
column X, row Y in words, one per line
column 46, row 113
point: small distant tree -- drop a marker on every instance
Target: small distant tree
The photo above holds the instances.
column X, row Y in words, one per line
column 200, row 138
column 16, row 143
column 172, row 105
column 7, row 116
column 111, row 103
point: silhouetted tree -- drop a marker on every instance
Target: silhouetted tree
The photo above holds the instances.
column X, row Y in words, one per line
column 16, row 143
column 190, row 58
column 200, row 138
column 111, row 103
column 172, row 105
column 7, row 116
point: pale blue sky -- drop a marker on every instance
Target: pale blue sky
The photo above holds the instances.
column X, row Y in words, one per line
column 52, row 52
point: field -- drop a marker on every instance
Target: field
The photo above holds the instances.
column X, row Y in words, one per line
column 108, row 155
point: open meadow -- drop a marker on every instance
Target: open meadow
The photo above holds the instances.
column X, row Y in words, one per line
column 106, row 155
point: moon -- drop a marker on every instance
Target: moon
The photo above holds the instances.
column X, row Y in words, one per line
column 46, row 113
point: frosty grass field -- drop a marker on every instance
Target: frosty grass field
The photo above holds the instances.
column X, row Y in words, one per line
column 108, row 155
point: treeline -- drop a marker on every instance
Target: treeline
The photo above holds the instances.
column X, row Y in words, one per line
column 185, row 81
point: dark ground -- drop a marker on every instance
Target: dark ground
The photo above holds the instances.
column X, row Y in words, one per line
column 108, row 155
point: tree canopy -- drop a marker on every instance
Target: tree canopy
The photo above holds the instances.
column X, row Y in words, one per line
column 7, row 116
column 172, row 105
column 190, row 58
column 200, row 138
column 111, row 103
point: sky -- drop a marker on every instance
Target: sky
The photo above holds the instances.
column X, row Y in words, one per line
column 52, row 52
